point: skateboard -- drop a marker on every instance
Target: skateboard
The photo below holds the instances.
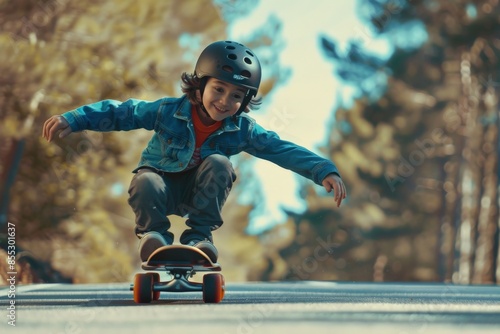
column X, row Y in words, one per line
column 181, row 263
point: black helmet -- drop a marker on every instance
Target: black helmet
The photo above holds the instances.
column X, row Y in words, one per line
column 231, row 62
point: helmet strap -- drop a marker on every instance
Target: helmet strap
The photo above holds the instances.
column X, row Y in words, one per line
column 245, row 102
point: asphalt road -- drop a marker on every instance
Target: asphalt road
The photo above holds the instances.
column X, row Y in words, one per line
column 278, row 307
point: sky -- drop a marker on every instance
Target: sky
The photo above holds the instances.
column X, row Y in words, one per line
column 301, row 109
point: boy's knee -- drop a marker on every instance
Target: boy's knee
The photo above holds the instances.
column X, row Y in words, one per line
column 147, row 181
column 220, row 168
column 219, row 162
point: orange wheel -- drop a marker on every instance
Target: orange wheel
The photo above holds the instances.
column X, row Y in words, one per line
column 156, row 279
column 213, row 288
column 223, row 287
column 143, row 288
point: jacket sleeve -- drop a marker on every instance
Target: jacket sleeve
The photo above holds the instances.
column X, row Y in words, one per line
column 268, row 145
column 112, row 115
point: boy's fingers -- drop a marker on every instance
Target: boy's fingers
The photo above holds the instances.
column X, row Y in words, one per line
column 341, row 193
column 338, row 187
column 51, row 129
column 338, row 194
column 45, row 127
column 54, row 124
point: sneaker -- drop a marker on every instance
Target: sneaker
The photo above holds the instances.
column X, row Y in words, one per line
column 206, row 247
column 150, row 242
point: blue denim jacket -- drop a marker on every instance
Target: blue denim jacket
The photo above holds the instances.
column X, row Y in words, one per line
column 173, row 142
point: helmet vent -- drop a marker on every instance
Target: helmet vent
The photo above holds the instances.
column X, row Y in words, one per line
column 246, row 74
column 230, row 47
column 251, row 54
column 247, row 60
column 232, row 56
column 227, row 68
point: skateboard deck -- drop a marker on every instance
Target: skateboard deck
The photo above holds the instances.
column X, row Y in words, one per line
column 181, row 263
column 180, row 256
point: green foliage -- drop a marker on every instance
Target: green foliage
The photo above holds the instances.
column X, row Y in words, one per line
column 419, row 157
column 60, row 54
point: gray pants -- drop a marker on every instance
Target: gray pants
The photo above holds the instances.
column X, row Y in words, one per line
column 198, row 193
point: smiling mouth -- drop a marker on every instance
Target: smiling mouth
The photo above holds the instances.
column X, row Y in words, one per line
column 219, row 109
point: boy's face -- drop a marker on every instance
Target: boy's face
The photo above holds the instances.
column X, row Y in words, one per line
column 222, row 99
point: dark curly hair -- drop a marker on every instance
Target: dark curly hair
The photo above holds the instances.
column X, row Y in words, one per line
column 191, row 84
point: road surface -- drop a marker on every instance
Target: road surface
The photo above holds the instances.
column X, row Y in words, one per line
column 275, row 307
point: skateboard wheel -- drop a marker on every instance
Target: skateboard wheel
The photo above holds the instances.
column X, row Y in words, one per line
column 143, row 288
column 213, row 288
column 156, row 279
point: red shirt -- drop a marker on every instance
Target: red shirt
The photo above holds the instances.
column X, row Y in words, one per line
column 201, row 133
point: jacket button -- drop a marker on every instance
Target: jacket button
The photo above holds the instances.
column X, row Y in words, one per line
column 180, row 164
column 169, row 141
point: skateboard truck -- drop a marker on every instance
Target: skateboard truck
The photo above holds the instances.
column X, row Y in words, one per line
column 179, row 282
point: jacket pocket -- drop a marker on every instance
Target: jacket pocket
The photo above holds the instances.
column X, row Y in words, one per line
column 171, row 144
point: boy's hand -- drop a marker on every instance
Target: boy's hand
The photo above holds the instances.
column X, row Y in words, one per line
column 53, row 125
column 334, row 182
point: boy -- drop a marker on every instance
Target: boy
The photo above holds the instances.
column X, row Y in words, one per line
column 185, row 168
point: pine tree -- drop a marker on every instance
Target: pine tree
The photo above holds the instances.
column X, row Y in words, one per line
column 418, row 150
column 68, row 199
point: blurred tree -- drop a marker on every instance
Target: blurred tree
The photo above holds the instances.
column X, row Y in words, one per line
column 69, row 197
column 418, row 150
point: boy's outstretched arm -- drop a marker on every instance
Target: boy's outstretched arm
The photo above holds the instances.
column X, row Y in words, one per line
column 53, row 125
column 334, row 182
